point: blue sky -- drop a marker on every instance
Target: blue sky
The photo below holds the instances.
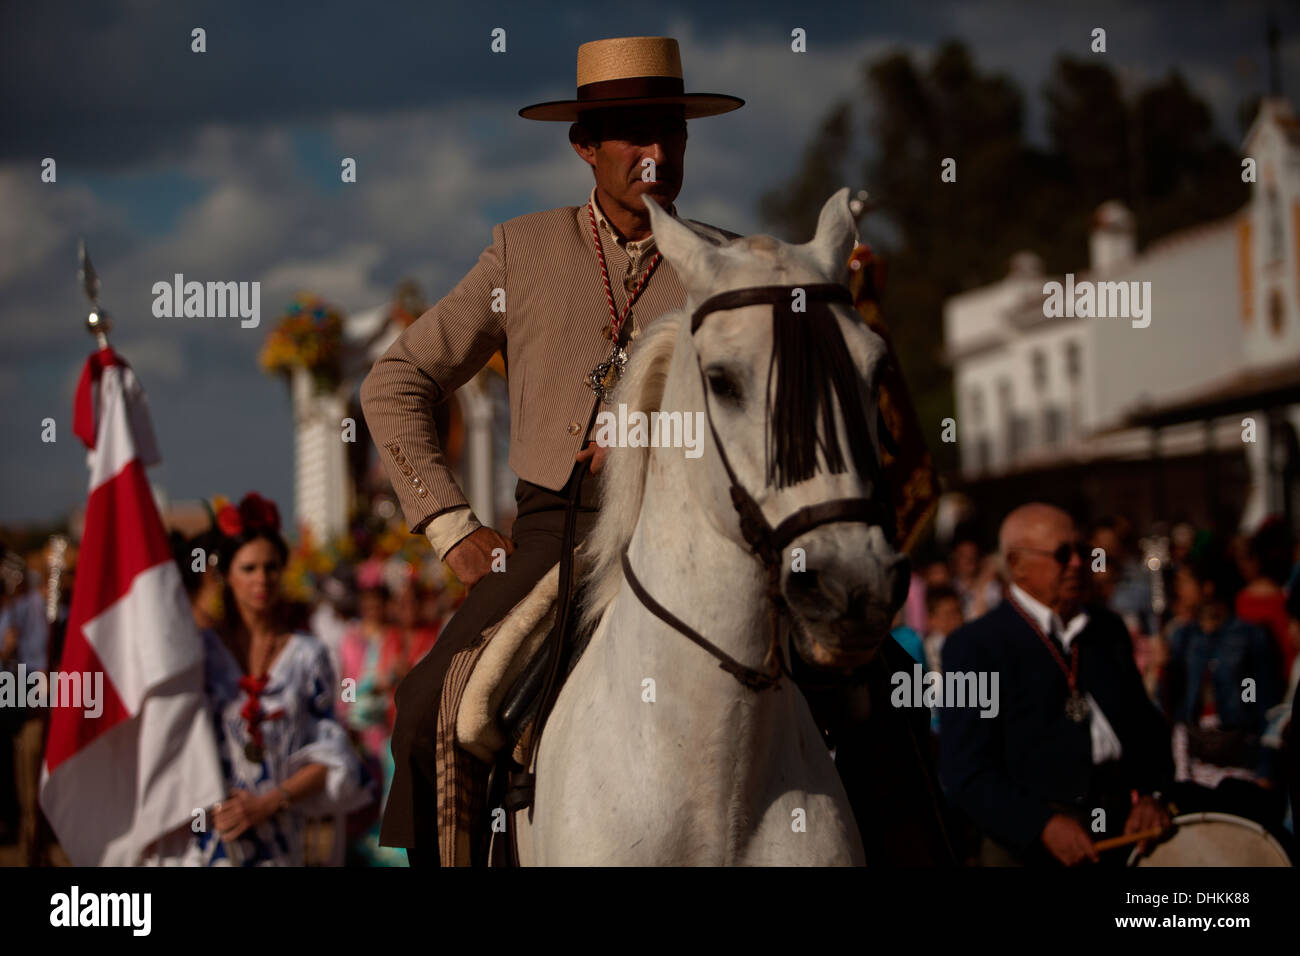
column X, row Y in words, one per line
column 224, row 166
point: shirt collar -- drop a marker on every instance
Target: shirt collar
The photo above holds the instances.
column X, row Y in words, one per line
column 1046, row 617
column 635, row 250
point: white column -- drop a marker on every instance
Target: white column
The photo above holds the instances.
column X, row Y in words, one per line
column 1258, row 496
column 321, row 482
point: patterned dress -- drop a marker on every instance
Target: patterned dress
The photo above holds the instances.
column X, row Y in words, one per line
column 299, row 729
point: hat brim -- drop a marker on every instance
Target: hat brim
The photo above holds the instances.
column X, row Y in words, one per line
column 697, row 105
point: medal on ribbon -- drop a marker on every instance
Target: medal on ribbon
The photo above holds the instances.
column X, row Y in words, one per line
column 1077, row 707
column 605, row 376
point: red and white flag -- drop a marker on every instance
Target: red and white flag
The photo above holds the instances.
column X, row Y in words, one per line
column 136, row 765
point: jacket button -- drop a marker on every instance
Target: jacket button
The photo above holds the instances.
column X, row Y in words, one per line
column 407, row 469
column 397, row 449
column 629, row 283
column 574, row 428
column 421, row 492
column 400, row 459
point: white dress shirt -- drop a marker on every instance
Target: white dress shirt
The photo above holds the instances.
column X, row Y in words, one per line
column 638, row 252
column 1105, row 743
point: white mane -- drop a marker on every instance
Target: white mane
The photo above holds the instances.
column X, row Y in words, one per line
column 623, row 476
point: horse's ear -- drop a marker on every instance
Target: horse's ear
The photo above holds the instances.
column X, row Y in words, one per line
column 692, row 256
column 837, row 234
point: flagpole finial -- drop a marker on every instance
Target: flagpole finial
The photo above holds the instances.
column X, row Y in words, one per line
column 98, row 322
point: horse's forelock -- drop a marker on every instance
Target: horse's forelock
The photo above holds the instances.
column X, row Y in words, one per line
column 623, row 483
column 813, row 368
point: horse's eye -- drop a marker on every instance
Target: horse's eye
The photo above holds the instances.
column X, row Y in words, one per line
column 724, row 385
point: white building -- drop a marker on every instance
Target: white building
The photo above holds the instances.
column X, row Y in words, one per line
column 1222, row 344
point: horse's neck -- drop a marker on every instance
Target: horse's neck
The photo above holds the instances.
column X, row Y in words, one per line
column 689, row 567
column 724, row 749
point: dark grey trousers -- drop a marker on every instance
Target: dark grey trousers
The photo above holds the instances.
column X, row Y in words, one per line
column 410, row 818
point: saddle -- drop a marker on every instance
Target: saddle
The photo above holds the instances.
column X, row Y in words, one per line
column 489, row 707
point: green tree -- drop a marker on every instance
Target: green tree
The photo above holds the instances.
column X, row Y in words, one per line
column 1189, row 173
column 1153, row 147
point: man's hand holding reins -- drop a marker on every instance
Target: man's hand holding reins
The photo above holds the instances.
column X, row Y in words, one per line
column 595, row 454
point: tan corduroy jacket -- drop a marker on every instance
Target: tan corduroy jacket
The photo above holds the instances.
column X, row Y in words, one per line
column 536, row 294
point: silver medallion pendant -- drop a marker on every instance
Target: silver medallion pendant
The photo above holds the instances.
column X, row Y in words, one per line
column 605, row 376
column 1076, row 707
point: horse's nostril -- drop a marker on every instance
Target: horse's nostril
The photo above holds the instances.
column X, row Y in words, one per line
column 803, row 584
column 835, row 593
column 856, row 607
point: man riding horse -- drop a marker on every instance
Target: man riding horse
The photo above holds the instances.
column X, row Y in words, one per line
column 562, row 293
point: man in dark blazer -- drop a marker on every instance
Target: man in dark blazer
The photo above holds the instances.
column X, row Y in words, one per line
column 1074, row 750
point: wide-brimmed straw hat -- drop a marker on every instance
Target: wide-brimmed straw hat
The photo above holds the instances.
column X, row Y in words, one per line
column 631, row 71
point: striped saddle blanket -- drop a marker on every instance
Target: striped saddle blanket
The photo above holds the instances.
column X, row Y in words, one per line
column 470, row 736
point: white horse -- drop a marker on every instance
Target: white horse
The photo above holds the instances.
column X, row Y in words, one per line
column 654, row 754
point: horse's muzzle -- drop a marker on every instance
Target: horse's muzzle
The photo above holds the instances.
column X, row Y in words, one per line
column 844, row 595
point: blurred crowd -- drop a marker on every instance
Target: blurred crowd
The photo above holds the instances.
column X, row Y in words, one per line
column 31, row 633
column 1206, row 614
column 377, row 624
column 375, row 615
column 1214, row 625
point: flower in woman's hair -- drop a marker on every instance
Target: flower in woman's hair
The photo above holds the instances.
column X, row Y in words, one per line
column 259, row 512
column 230, row 522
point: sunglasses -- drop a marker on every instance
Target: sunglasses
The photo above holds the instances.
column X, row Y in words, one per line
column 1062, row 552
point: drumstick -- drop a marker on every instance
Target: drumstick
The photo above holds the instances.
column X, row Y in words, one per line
column 1128, row 838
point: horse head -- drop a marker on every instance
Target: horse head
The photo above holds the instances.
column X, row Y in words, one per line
column 786, row 371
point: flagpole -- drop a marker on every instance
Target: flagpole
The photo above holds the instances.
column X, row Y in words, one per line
column 146, row 657
column 99, row 322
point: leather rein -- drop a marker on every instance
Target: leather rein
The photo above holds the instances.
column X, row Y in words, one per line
column 768, row 544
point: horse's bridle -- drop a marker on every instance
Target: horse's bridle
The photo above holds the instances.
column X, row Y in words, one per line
column 766, row 542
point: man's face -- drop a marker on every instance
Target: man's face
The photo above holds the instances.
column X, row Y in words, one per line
column 406, row 606
column 965, row 559
column 937, row 574
column 1187, row 591
column 946, row 617
column 1034, row 565
column 371, row 605
column 625, row 140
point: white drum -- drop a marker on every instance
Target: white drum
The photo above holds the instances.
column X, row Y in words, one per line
column 1215, row 839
